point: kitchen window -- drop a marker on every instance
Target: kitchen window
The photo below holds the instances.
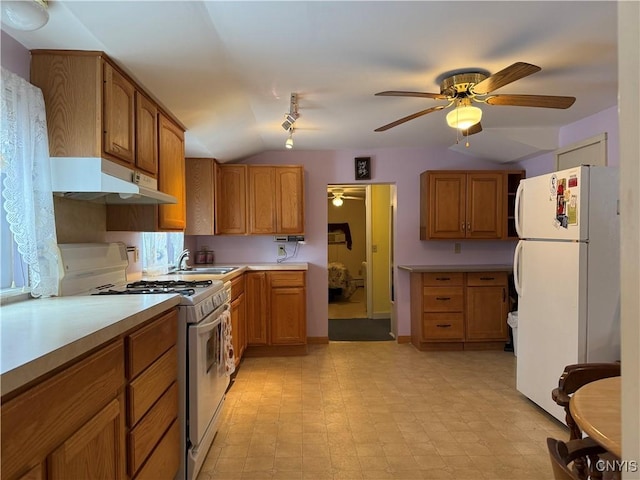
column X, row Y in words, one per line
column 160, row 251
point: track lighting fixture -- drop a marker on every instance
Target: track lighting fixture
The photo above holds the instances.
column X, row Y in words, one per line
column 289, row 142
column 292, row 116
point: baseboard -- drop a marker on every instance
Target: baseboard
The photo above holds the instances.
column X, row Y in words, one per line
column 404, row 339
column 317, row 340
column 381, row 315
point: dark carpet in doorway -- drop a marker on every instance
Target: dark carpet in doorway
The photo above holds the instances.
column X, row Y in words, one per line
column 360, row 329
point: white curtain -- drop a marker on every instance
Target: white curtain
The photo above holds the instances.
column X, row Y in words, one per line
column 28, row 200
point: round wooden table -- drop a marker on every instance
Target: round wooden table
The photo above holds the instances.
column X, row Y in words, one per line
column 596, row 409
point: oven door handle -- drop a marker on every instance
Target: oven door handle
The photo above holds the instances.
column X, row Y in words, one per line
column 205, row 327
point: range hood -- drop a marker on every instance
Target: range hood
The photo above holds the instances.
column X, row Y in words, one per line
column 99, row 179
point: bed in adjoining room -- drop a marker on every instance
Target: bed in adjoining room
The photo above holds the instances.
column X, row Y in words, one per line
column 341, row 284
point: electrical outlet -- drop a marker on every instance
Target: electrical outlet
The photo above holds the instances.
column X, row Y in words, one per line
column 281, row 251
column 456, row 248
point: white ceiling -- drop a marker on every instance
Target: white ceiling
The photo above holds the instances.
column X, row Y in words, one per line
column 227, row 69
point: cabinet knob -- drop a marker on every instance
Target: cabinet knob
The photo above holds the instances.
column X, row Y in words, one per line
column 468, row 226
column 462, row 225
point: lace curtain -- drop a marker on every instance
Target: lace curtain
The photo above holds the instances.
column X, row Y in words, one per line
column 28, row 200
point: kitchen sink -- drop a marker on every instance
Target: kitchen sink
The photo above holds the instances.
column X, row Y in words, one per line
column 205, row 270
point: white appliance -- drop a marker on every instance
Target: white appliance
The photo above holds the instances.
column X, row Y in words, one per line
column 567, row 275
column 205, row 354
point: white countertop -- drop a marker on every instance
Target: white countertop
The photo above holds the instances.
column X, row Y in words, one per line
column 39, row 335
column 456, row 268
column 241, row 268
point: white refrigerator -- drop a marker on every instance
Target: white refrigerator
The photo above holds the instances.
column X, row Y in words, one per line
column 567, row 276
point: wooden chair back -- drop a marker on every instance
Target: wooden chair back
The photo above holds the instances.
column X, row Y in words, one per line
column 563, row 454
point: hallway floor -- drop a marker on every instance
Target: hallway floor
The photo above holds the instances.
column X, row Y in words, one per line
column 353, row 307
column 380, row 410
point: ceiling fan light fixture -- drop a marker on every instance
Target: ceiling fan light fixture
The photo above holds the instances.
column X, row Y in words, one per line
column 464, row 116
column 337, row 201
column 25, row 15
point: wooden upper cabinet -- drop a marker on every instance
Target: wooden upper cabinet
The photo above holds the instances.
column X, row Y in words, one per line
column 171, row 175
column 231, row 199
column 200, row 181
column 146, row 135
column 462, row 204
column 276, row 199
column 119, row 115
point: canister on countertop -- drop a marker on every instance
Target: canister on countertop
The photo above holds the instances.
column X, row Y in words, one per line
column 201, row 257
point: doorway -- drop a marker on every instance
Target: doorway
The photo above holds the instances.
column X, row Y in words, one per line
column 359, row 254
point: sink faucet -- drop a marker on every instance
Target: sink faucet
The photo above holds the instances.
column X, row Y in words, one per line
column 183, row 258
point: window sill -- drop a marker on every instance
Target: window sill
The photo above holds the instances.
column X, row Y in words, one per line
column 12, row 295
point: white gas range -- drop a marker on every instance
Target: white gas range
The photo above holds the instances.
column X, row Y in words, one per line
column 205, row 354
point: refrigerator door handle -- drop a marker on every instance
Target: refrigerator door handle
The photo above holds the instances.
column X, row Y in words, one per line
column 516, row 268
column 516, row 211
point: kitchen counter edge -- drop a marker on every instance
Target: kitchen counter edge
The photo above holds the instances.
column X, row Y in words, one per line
column 41, row 335
column 455, row 268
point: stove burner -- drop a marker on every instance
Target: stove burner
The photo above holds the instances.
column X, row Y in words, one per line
column 135, row 291
column 170, row 284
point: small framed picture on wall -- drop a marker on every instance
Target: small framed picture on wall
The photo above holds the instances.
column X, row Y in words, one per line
column 363, row 168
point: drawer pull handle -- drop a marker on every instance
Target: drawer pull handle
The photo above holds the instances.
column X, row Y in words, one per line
column 487, row 278
column 443, row 279
column 443, row 298
column 443, row 325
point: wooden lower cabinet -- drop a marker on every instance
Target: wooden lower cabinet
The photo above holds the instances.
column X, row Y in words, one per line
column 459, row 310
column 276, row 313
column 110, row 415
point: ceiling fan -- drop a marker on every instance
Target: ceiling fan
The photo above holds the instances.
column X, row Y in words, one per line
column 463, row 89
column 337, row 196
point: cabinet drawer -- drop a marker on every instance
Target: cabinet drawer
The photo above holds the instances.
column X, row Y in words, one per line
column 442, row 299
column 442, row 326
column 146, row 435
column 286, row 279
column 442, row 279
column 150, row 384
column 237, row 287
column 147, row 344
column 165, row 459
column 479, row 279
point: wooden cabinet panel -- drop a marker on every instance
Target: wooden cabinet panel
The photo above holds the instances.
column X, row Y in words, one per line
column 446, row 207
column 288, row 310
column 36, row 422
column 442, row 279
column 165, row 459
column 262, row 200
column 287, row 279
column 171, row 174
column 289, row 199
column 148, row 343
column 95, row 450
column 119, row 115
column 487, row 309
column 150, row 430
column 200, row 194
column 483, row 279
column 484, row 205
column 256, row 307
column 442, row 326
column 443, row 299
column 230, row 199
column 238, row 327
column 149, row 386
column 146, row 135
column 237, row 287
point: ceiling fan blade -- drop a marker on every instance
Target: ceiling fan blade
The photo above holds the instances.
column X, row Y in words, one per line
column 409, row 117
column 544, row 101
column 472, row 130
column 395, row 93
column 505, row 76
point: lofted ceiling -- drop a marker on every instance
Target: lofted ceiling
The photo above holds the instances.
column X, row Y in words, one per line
column 227, row 69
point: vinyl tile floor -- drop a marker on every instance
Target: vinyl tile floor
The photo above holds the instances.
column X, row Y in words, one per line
column 380, row 410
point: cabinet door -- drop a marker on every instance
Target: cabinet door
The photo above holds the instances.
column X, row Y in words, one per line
column 95, row 450
column 146, row 135
column 446, row 205
column 262, row 200
column 486, row 317
column 256, row 307
column 199, row 196
column 231, row 199
column 288, row 311
column 119, row 115
column 171, row 174
column 290, row 199
column 484, row 206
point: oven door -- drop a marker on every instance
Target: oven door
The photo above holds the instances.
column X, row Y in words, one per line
column 206, row 373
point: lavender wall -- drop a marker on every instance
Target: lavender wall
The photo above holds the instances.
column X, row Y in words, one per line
column 401, row 167
column 14, row 56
